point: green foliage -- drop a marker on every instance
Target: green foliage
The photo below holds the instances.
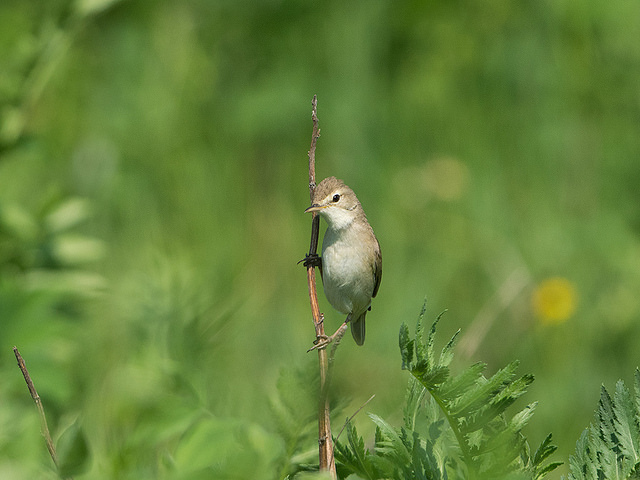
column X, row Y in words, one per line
column 462, row 431
column 610, row 447
column 175, row 134
column 293, row 410
column 225, row 448
column 34, row 62
column 48, row 240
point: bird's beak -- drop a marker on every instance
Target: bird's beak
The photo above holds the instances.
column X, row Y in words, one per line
column 315, row 208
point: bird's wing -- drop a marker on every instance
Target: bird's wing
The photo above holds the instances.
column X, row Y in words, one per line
column 377, row 269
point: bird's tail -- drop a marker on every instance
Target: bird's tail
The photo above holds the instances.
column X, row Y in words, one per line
column 357, row 329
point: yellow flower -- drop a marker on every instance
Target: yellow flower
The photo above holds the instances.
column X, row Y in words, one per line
column 555, row 300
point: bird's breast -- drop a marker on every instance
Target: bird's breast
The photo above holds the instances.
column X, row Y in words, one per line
column 347, row 272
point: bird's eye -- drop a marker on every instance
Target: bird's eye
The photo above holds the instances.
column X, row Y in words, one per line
column 335, row 198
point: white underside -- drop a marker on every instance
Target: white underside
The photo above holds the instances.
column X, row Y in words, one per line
column 347, row 275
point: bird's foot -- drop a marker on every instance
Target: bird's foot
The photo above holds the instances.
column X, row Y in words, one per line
column 311, row 260
column 322, row 341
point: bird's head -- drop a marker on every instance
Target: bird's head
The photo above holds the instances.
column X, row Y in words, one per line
column 336, row 202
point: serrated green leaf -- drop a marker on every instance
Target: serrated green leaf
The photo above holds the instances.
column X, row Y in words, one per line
column 472, row 412
column 357, row 445
column 626, row 426
column 431, row 359
column 406, row 347
column 424, row 464
column 499, row 455
column 498, row 404
column 413, row 399
column 608, row 448
column 636, row 390
column 473, row 398
column 521, row 418
column 395, row 442
column 433, row 377
column 545, row 449
column 420, row 346
column 354, row 456
column 582, row 465
column 461, row 383
column 547, row 469
column 510, row 393
column 447, row 352
column 606, row 418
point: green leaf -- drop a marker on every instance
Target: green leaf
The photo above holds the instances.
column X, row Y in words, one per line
column 547, row 468
column 422, row 358
column 545, row 449
column 459, row 384
column 413, row 399
column 505, row 397
column 608, row 447
column 480, row 440
column 476, row 397
column 392, row 439
column 294, row 413
column 521, row 418
column 71, row 249
column 625, row 424
column 606, row 417
column 447, row 352
column 354, row 456
column 433, row 377
column 582, row 465
column 73, row 451
column 406, row 347
column 636, row 390
column 431, row 360
column 67, row 214
column 93, row 7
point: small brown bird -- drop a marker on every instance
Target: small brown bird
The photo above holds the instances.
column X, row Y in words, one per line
column 351, row 262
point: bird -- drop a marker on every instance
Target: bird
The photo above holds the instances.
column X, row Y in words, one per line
column 351, row 261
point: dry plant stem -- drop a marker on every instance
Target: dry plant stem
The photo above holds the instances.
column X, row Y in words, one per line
column 44, row 428
column 325, row 442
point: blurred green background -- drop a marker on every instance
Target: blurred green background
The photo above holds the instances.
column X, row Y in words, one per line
column 153, row 177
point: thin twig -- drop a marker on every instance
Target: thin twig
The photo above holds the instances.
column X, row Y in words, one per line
column 353, row 416
column 325, row 442
column 44, row 428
